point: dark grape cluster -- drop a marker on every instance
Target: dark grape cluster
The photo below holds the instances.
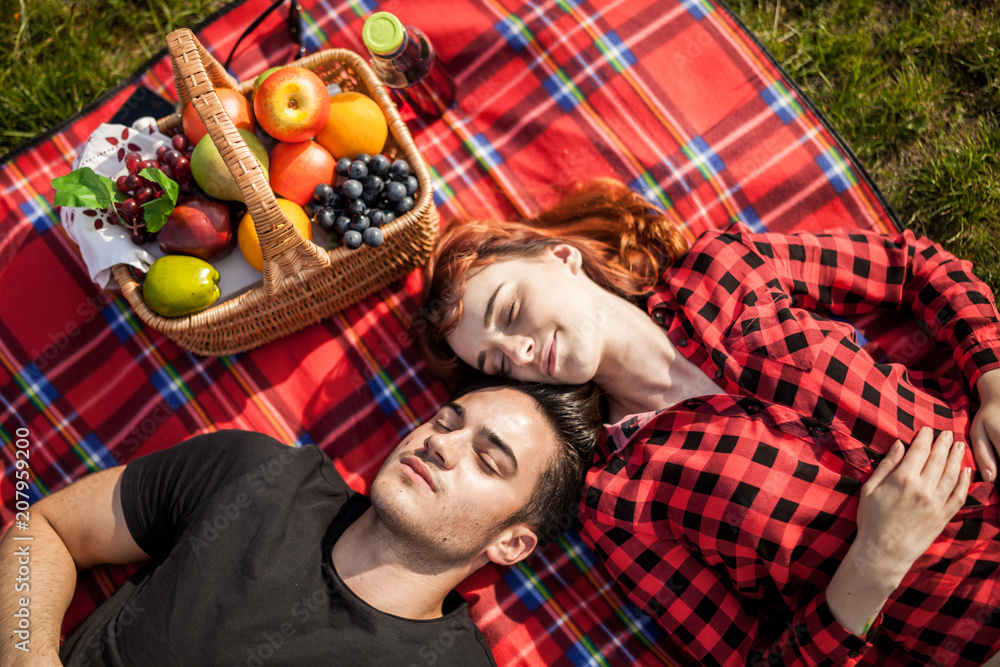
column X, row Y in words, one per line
column 371, row 192
column 174, row 161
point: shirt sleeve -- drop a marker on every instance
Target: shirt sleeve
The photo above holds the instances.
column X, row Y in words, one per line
column 161, row 490
column 853, row 272
column 707, row 619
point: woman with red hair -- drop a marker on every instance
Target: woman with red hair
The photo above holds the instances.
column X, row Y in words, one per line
column 753, row 493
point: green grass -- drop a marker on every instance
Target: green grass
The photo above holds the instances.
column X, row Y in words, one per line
column 913, row 87
column 914, row 90
column 57, row 56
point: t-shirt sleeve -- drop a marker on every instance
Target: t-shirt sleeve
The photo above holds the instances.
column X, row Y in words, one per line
column 161, row 490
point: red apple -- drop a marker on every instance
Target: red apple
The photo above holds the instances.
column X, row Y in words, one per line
column 237, row 106
column 292, row 104
column 296, row 168
column 199, row 227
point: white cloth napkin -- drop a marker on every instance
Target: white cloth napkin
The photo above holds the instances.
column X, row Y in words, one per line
column 101, row 243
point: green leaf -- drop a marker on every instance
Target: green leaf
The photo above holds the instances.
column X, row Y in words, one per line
column 156, row 211
column 169, row 185
column 82, row 188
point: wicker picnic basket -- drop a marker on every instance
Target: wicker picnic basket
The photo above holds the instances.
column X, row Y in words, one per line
column 302, row 283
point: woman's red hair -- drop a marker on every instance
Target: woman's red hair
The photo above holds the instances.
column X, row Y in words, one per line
column 625, row 243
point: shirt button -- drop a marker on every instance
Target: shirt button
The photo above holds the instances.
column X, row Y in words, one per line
column 753, row 408
column 683, row 342
column 659, row 317
column 718, row 374
column 852, row 654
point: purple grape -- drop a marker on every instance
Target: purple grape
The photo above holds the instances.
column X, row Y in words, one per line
column 374, row 183
column 379, row 165
column 399, row 170
column 358, row 170
column 323, row 193
column 353, row 239
column 325, row 218
column 404, row 205
column 395, row 191
column 372, row 237
column 360, row 222
column 356, row 207
column 412, row 184
column 353, row 189
column 341, row 224
column 376, row 217
column 343, row 165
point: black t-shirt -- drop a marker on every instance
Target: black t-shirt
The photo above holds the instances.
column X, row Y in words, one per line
column 240, row 529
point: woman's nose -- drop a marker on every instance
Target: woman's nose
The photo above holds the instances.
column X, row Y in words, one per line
column 519, row 349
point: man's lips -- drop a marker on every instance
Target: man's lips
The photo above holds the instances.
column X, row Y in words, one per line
column 417, row 468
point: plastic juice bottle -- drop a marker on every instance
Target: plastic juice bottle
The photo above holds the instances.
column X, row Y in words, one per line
column 405, row 60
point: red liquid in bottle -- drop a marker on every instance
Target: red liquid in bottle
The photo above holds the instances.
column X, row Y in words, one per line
column 414, row 72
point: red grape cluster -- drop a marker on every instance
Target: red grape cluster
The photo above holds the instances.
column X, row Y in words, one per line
column 174, row 161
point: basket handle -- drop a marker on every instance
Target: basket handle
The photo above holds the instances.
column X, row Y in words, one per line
column 286, row 253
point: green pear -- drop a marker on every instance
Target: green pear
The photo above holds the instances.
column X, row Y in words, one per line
column 211, row 173
column 263, row 75
column 178, row 285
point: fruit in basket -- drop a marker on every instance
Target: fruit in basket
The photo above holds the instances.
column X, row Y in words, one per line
column 211, row 173
column 179, row 285
column 296, row 168
column 199, row 227
column 370, row 194
column 355, row 124
column 250, row 243
column 263, row 75
column 237, row 106
column 292, row 104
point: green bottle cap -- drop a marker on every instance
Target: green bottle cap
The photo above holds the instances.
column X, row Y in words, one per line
column 382, row 33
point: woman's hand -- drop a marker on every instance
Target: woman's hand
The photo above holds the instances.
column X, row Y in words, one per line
column 985, row 434
column 904, row 506
column 909, row 498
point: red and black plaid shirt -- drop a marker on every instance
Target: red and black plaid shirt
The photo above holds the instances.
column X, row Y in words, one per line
column 725, row 517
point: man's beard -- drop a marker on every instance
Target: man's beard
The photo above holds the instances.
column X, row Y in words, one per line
column 418, row 549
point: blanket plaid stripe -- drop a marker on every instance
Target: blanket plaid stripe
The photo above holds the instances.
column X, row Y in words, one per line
column 673, row 97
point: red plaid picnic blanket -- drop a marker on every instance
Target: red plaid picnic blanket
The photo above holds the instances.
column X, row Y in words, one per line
column 673, row 97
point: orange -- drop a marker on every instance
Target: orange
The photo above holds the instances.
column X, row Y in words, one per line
column 247, row 234
column 356, row 125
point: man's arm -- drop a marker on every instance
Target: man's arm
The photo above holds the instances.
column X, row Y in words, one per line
column 73, row 529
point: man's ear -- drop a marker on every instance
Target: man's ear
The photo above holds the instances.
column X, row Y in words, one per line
column 569, row 255
column 512, row 545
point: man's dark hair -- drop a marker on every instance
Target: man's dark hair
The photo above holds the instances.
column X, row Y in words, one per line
column 575, row 414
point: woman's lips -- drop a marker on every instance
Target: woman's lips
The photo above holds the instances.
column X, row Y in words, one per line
column 418, row 468
column 550, row 359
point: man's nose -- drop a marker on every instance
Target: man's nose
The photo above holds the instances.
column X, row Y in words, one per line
column 442, row 448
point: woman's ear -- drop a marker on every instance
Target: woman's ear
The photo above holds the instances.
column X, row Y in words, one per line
column 569, row 255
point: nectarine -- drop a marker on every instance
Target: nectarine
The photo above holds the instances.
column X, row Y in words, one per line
column 297, row 168
column 237, row 106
